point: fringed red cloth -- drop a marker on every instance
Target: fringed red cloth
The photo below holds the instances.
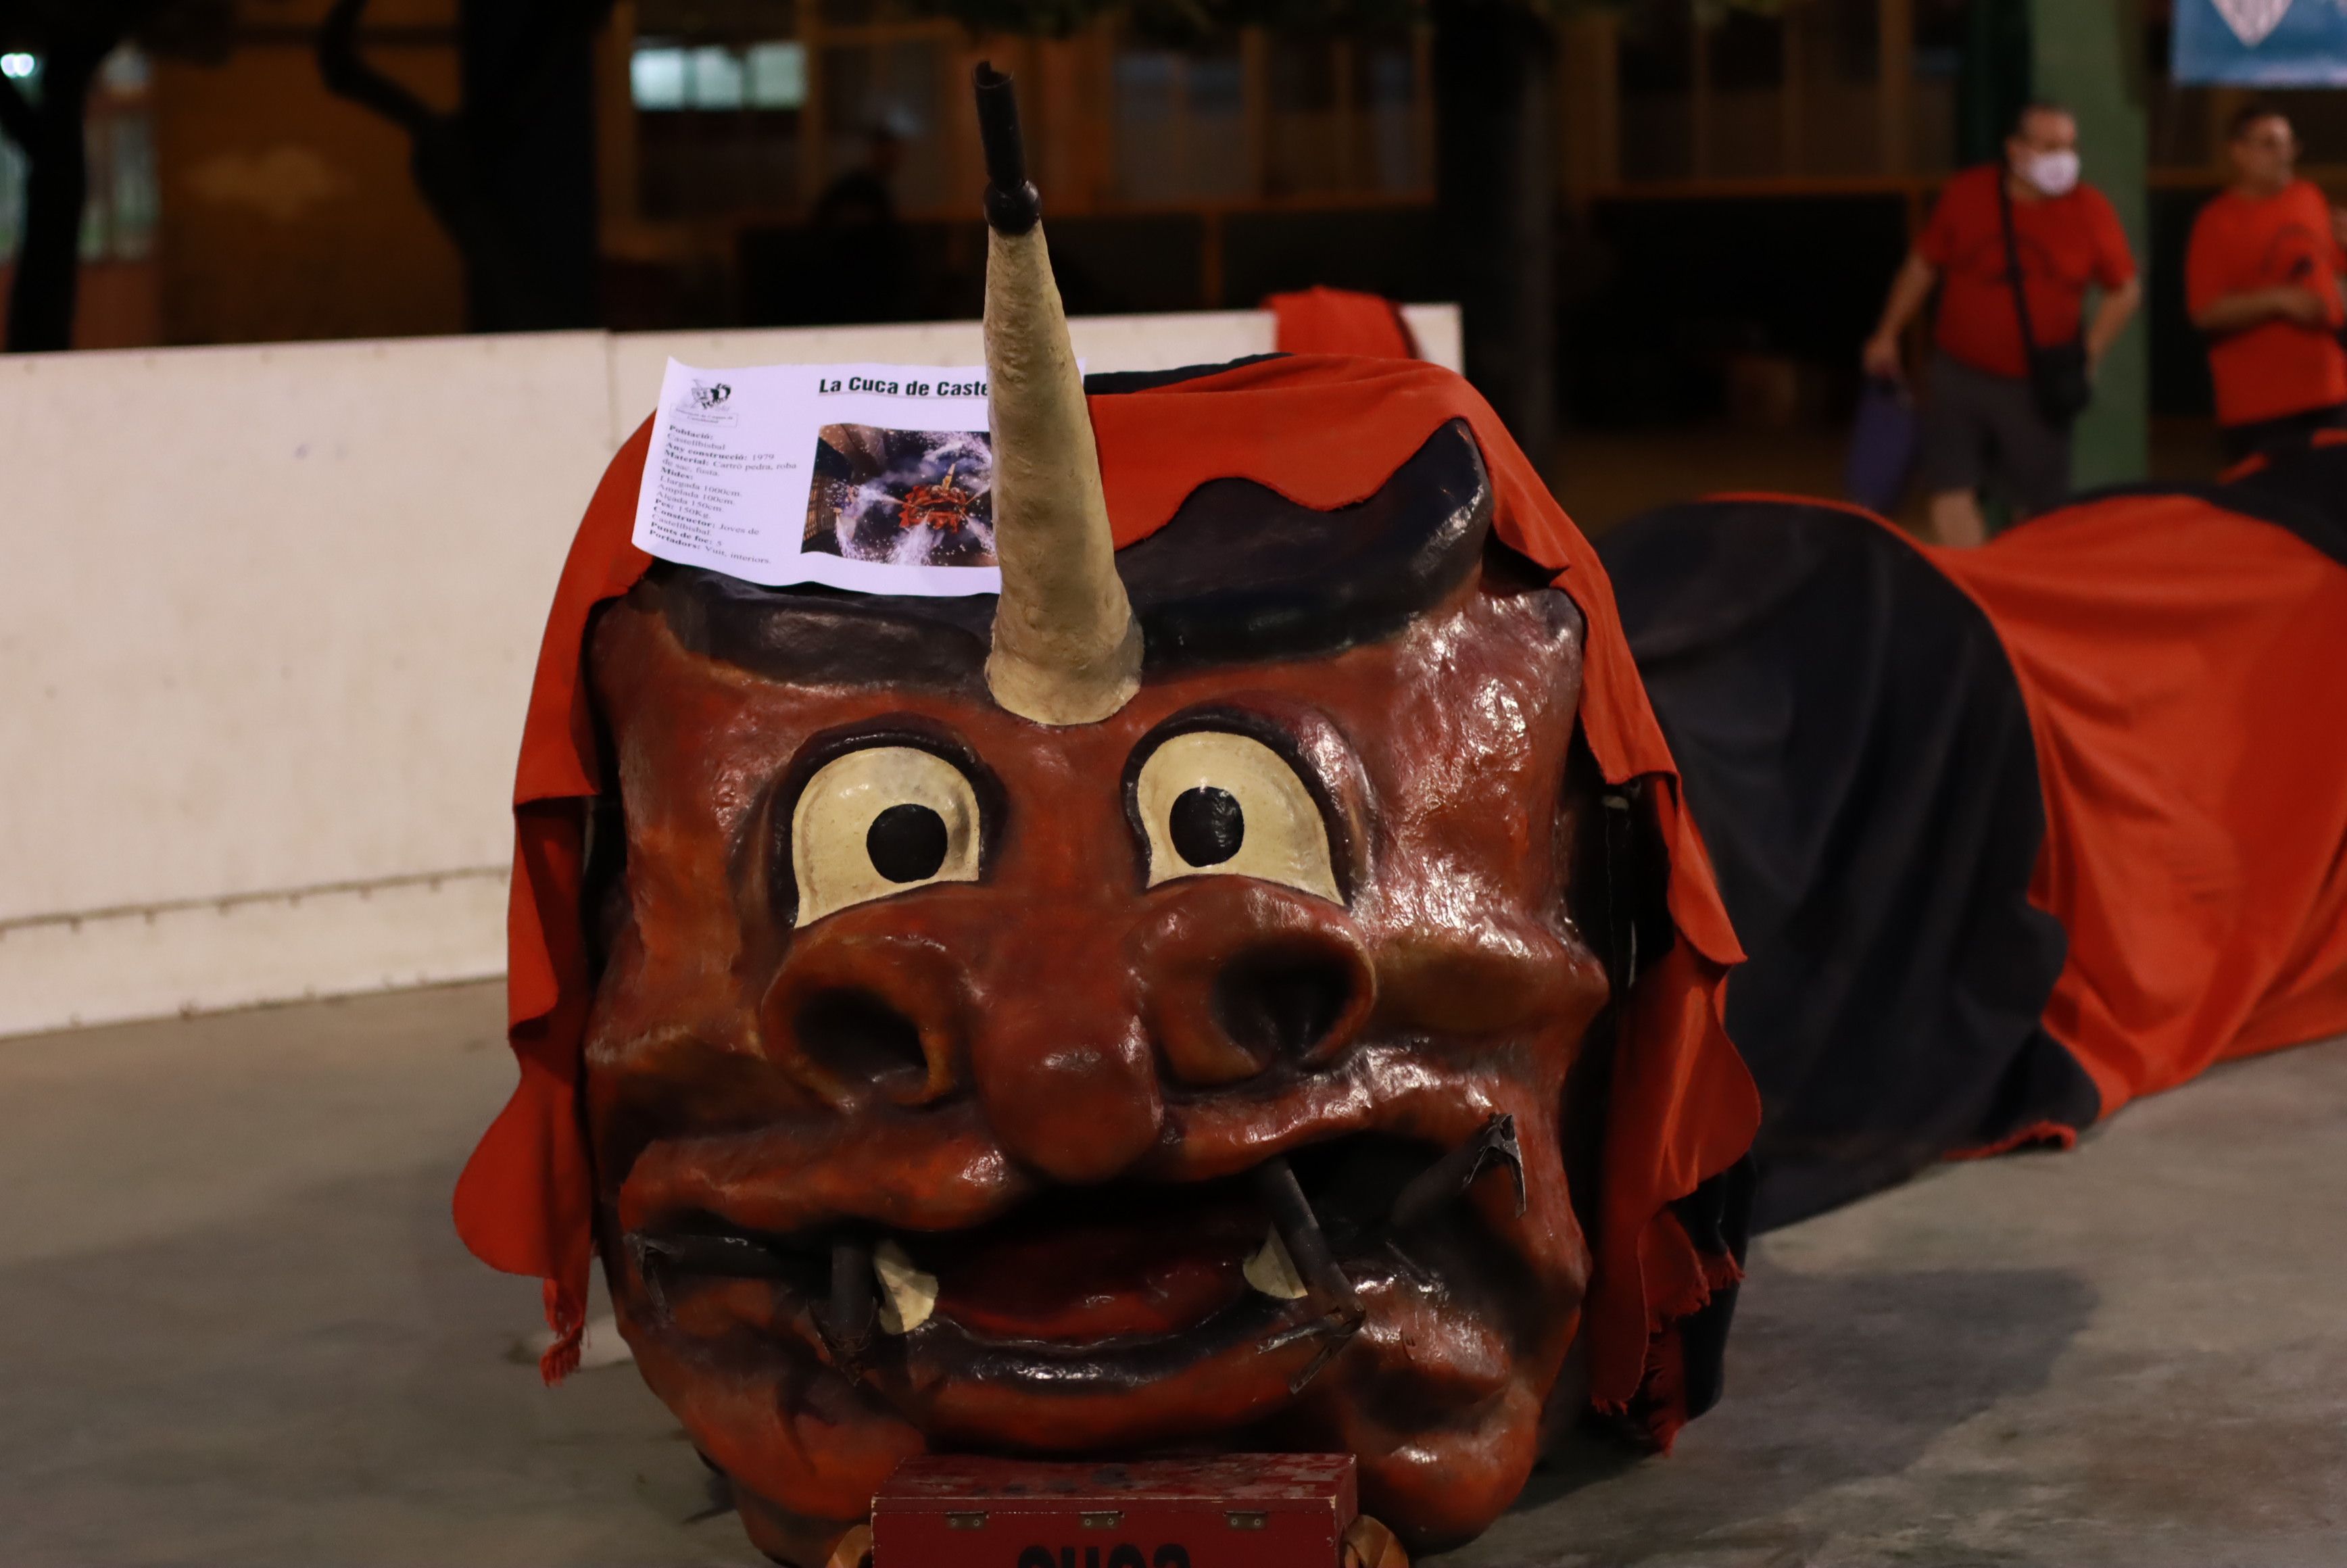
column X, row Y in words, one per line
column 1325, row 432
column 1338, row 320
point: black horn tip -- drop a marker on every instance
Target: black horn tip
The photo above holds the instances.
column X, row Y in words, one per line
column 1013, row 212
column 1012, row 204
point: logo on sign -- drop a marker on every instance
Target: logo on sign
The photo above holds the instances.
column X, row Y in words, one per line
column 2251, row 20
column 705, row 402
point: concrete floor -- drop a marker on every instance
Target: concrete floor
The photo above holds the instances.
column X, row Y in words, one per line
column 235, row 1328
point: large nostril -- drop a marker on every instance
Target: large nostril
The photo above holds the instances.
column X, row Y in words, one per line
column 861, row 1042
column 1278, row 1005
column 856, row 1012
column 1238, row 979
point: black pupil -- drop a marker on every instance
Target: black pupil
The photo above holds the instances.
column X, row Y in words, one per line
column 1207, row 826
column 907, row 843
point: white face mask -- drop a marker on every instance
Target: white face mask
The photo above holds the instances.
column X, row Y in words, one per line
column 2055, row 173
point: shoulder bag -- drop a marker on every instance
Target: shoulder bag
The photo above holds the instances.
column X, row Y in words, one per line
column 2057, row 372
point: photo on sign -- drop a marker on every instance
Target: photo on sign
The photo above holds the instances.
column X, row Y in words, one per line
column 902, row 498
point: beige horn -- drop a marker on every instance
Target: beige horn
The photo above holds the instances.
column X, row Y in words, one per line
column 1067, row 649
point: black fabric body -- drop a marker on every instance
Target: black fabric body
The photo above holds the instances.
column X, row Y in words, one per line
column 2303, row 489
column 1853, row 744
column 2304, row 492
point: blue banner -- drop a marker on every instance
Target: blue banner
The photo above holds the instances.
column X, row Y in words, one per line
column 2264, row 43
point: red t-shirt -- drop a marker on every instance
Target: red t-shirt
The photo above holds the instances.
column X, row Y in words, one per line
column 2242, row 243
column 2065, row 243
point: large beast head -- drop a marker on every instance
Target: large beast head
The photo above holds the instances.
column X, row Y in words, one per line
column 1131, row 1016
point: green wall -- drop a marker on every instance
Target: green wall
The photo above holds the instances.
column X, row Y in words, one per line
column 2088, row 54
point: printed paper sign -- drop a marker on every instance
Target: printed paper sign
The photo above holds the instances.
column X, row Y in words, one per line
column 874, row 477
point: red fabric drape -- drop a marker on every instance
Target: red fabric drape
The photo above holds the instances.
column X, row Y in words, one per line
column 2181, row 666
column 1322, row 431
column 1338, row 320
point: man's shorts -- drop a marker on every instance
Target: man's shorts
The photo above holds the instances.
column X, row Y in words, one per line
column 1982, row 431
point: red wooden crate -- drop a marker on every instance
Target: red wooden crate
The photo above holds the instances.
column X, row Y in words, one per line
column 1235, row 1511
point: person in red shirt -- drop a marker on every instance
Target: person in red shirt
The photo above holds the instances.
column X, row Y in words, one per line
column 1982, row 426
column 2261, row 280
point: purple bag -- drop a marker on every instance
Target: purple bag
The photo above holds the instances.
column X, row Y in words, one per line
column 1881, row 446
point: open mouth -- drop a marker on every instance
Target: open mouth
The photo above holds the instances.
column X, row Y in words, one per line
column 1104, row 1289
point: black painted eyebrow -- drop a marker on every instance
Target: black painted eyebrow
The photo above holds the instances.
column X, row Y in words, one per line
column 822, row 637
column 1240, row 574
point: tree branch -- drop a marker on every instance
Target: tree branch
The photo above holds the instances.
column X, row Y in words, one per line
column 347, row 75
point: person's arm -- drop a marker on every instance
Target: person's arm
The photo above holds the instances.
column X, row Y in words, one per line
column 1908, row 290
column 2111, row 318
column 2216, row 306
column 2246, row 307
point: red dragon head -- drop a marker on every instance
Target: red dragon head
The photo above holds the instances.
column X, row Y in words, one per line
column 1149, row 1012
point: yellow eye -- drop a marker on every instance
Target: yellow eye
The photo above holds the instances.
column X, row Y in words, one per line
column 1216, row 804
column 880, row 821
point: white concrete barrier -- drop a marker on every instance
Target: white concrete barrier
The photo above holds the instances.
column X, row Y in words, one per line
column 270, row 625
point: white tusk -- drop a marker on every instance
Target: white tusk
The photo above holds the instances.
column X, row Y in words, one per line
column 907, row 1296
column 1273, row 1272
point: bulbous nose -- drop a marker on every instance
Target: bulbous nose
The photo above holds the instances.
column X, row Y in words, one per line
column 1062, row 1065
column 1062, row 1024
